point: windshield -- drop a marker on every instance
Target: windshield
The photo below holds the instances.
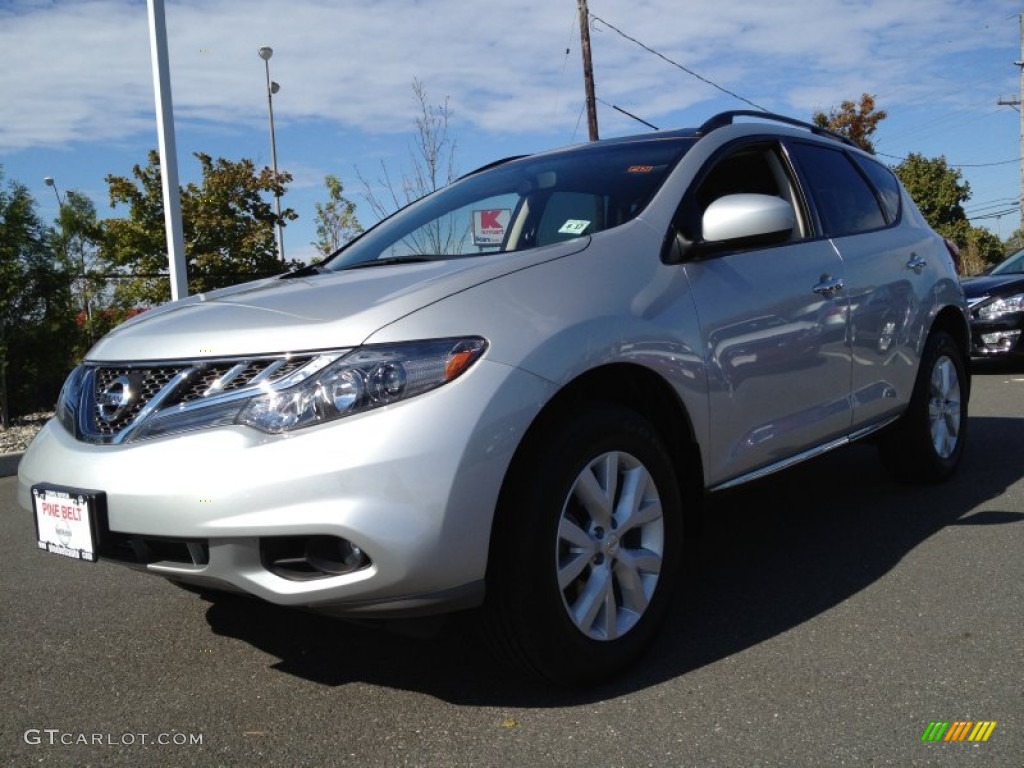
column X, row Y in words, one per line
column 1013, row 265
column 521, row 204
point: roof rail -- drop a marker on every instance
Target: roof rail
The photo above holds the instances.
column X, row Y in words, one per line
column 727, row 118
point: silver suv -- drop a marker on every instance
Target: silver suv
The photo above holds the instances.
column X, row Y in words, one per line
column 514, row 393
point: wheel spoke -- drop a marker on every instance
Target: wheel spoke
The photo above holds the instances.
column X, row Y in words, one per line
column 592, row 599
column 610, row 614
column 574, row 557
column 596, row 488
column 940, row 379
column 570, row 569
column 641, row 560
column 636, row 508
column 569, row 532
column 631, row 564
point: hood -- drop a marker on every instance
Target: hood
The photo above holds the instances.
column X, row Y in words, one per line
column 992, row 285
column 332, row 310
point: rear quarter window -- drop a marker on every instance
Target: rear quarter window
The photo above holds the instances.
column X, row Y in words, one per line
column 886, row 183
column 846, row 203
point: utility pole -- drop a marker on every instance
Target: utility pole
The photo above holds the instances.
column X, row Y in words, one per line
column 1017, row 104
column 588, row 68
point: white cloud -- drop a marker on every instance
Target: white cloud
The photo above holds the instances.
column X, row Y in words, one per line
column 71, row 71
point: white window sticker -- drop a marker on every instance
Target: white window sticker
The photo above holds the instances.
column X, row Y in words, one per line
column 574, row 227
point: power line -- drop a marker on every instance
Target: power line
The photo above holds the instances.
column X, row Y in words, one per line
column 984, row 165
column 997, row 215
column 565, row 61
column 988, row 204
column 957, row 165
column 677, row 64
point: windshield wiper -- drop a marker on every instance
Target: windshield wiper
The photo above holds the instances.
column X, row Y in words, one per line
column 389, row 260
column 306, row 271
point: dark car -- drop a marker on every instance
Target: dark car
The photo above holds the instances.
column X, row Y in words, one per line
column 996, row 301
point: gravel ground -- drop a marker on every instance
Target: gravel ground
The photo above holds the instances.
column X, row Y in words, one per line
column 23, row 428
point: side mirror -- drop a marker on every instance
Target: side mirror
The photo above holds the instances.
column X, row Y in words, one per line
column 738, row 217
column 733, row 221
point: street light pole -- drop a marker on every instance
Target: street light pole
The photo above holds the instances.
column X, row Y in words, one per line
column 265, row 53
column 49, row 181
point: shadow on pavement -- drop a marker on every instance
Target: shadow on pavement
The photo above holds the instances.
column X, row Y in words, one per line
column 772, row 556
column 986, row 366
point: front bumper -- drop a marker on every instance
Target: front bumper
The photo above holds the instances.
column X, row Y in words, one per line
column 412, row 485
column 998, row 338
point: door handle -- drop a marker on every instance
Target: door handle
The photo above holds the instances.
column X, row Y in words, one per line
column 829, row 286
column 916, row 263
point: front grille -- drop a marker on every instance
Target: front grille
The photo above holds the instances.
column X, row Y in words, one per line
column 116, row 399
column 146, row 382
column 227, row 377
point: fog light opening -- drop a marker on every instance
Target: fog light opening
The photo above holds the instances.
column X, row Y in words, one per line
column 334, row 555
column 1000, row 340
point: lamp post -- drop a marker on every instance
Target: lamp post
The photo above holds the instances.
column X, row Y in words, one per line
column 50, row 182
column 265, row 53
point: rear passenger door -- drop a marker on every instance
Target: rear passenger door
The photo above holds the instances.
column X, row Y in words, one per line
column 774, row 331
column 856, row 201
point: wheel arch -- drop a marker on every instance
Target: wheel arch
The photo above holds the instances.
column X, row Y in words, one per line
column 638, row 389
column 952, row 321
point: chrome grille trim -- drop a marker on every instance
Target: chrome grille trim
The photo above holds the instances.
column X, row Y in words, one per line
column 152, row 405
column 220, row 384
column 171, row 387
column 267, row 372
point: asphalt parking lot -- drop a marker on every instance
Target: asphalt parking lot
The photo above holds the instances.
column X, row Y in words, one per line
column 825, row 618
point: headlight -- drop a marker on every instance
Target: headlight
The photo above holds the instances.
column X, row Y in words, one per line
column 364, row 379
column 273, row 393
column 1003, row 306
column 70, row 397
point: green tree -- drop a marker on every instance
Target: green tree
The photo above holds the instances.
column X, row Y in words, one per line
column 941, row 193
column 227, row 222
column 1013, row 243
column 856, row 121
column 982, row 250
column 36, row 314
column 336, row 221
column 76, row 241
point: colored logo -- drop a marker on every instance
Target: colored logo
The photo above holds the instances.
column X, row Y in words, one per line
column 958, row 730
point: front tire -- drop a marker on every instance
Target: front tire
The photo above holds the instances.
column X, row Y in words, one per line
column 586, row 546
column 927, row 443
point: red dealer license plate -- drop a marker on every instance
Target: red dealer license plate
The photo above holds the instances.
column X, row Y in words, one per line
column 66, row 521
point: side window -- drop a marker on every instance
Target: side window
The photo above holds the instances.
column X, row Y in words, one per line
column 845, row 201
column 750, row 170
column 887, row 185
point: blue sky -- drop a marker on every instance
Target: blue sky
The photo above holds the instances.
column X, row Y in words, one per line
column 76, row 94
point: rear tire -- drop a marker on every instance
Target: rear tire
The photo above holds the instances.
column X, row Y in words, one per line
column 585, row 548
column 927, row 443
